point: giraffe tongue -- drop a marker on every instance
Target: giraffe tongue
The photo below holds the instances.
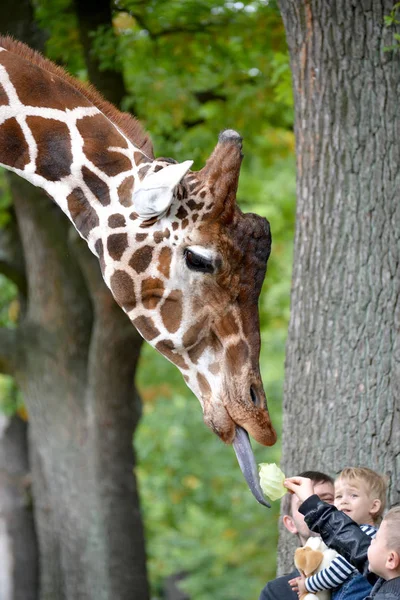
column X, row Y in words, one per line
column 247, row 463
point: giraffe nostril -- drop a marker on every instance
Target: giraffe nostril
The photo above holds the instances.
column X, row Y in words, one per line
column 253, row 396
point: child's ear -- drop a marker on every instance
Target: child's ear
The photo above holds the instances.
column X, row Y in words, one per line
column 289, row 524
column 375, row 508
column 392, row 560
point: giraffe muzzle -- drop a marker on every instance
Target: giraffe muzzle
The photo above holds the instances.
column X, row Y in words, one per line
column 247, row 464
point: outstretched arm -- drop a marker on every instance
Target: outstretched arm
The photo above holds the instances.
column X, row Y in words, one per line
column 336, row 529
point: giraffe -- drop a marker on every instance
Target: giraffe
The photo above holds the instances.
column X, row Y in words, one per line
column 179, row 256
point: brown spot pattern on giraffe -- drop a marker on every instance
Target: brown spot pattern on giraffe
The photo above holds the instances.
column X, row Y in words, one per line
column 148, row 222
column 3, row 97
column 236, row 356
column 141, row 236
column 171, row 311
column 197, row 350
column 52, row 138
column 152, row 292
column 192, row 205
column 83, row 215
column 97, row 186
column 141, row 259
column 146, row 327
column 164, row 261
column 227, row 325
column 123, row 288
column 192, row 334
column 117, row 244
column 143, row 171
column 100, row 253
column 116, row 220
column 214, row 368
column 14, row 150
column 125, row 191
column 140, row 158
column 166, row 348
column 181, row 213
column 36, row 86
column 158, row 236
column 98, row 135
column 204, row 385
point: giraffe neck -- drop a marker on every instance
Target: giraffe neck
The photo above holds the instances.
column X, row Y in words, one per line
column 63, row 143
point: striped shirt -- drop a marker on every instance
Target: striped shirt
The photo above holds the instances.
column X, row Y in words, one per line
column 338, row 571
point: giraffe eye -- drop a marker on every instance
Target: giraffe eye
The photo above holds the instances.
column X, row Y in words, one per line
column 195, row 262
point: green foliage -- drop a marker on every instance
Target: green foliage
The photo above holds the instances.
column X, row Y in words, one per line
column 10, row 398
column 200, row 516
column 5, row 201
column 58, row 19
column 392, row 20
column 208, row 65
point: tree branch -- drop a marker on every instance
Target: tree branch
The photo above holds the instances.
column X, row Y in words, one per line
column 8, row 350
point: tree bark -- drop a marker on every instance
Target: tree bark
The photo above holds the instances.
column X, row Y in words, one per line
column 18, row 548
column 77, row 358
column 342, row 383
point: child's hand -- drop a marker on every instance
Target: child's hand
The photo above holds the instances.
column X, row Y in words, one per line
column 301, row 486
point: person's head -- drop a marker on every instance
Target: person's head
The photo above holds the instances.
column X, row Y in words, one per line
column 292, row 519
column 384, row 551
column 361, row 494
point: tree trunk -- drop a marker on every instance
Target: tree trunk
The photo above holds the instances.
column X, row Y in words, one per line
column 342, row 384
column 76, row 358
column 18, row 547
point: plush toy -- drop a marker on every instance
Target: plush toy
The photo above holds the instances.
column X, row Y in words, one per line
column 312, row 558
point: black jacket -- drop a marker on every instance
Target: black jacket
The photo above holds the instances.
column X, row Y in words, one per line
column 344, row 535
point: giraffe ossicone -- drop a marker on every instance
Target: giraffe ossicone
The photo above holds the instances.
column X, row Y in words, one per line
column 178, row 254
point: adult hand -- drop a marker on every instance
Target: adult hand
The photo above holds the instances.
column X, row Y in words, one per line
column 298, row 585
column 301, row 486
column 294, row 584
column 301, row 585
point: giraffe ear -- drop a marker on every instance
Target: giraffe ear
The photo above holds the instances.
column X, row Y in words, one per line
column 155, row 193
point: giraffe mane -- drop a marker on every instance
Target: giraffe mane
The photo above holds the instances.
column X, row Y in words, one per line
column 128, row 124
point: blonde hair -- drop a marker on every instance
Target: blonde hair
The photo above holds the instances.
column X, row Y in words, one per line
column 392, row 518
column 375, row 483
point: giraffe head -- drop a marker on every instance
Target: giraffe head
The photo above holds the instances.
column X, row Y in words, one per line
column 178, row 254
column 197, row 275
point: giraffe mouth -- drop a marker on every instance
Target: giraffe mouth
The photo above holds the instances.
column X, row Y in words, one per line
column 247, row 464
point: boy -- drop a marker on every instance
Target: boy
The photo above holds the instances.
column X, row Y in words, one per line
column 340, row 532
column 360, row 493
column 293, row 521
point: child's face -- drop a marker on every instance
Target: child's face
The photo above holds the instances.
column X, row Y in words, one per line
column 378, row 552
column 352, row 498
